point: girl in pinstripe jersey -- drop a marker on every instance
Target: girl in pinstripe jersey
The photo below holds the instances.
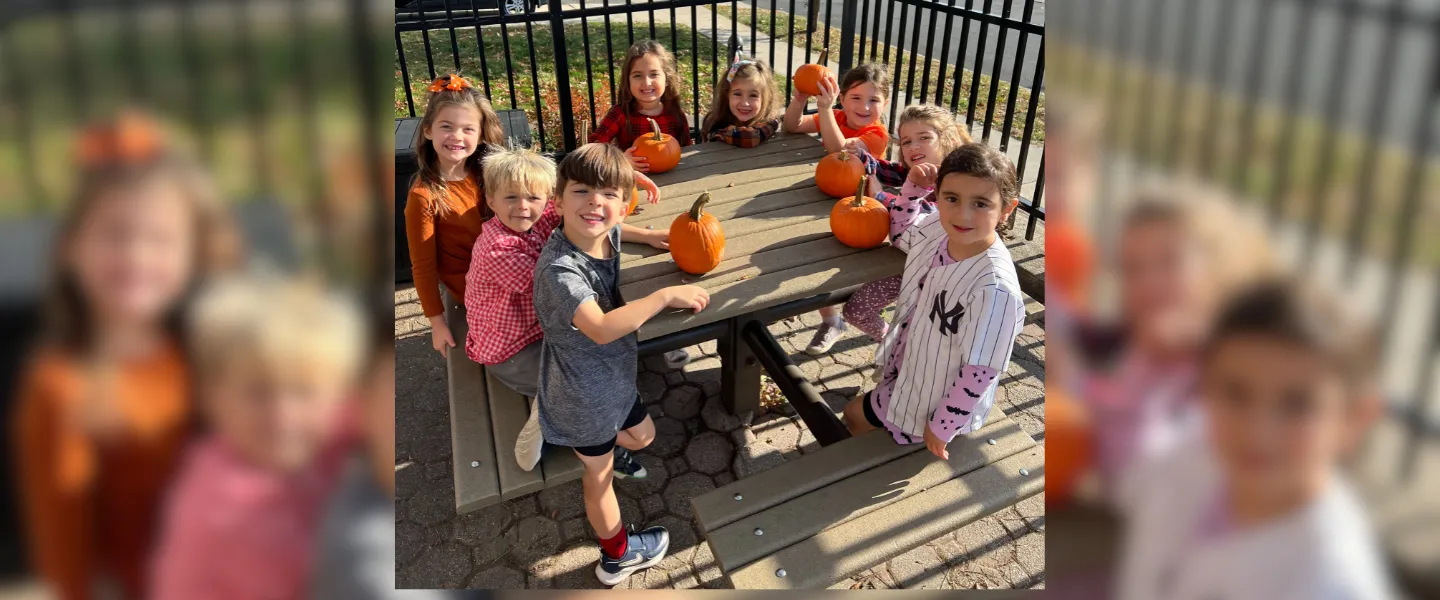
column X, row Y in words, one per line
column 960, row 305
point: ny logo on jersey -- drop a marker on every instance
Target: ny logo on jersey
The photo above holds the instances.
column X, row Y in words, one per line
column 949, row 318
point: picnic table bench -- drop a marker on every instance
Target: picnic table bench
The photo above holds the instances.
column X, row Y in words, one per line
column 812, row 520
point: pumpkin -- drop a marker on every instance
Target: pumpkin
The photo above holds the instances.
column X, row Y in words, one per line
column 660, row 150
column 808, row 76
column 634, row 201
column 1068, row 446
column 696, row 241
column 860, row 221
column 838, row 173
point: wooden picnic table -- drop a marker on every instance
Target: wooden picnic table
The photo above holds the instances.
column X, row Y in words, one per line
column 780, row 259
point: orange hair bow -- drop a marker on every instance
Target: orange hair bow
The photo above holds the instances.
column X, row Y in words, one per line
column 129, row 138
column 452, row 82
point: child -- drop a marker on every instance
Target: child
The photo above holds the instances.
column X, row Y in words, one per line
column 649, row 71
column 745, row 110
column 443, row 212
column 863, row 93
column 1257, row 509
column 960, row 305
column 927, row 134
column 1181, row 253
column 103, row 408
column 274, row 362
column 588, row 398
column 499, row 292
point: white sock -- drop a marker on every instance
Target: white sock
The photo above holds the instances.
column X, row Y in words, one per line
column 835, row 321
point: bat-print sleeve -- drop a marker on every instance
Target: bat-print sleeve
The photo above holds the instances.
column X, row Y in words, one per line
column 988, row 328
column 907, row 212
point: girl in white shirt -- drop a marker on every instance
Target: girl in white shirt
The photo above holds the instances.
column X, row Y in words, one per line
column 960, row 306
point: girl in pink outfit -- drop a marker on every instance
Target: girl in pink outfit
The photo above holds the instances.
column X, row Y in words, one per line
column 275, row 361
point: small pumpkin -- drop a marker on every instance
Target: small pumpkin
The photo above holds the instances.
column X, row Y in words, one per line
column 697, row 243
column 860, row 221
column 808, row 76
column 838, row 173
column 634, row 201
column 660, row 150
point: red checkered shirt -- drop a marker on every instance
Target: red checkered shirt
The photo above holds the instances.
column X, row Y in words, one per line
column 612, row 128
column 500, row 289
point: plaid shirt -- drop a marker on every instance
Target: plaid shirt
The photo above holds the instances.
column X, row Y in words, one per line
column 612, row 127
column 889, row 172
column 500, row 291
column 745, row 137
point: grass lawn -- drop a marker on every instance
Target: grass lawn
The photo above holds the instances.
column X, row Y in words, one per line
column 521, row 92
column 901, row 63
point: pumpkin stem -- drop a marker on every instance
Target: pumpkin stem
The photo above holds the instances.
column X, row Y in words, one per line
column 655, row 127
column 699, row 205
column 860, row 193
column 824, row 56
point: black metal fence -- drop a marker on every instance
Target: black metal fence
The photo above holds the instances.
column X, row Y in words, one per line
column 1323, row 113
column 529, row 56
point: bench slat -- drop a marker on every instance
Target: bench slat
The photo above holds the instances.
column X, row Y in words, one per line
column 793, row 478
column 560, row 465
column 508, row 411
column 479, row 486
column 854, row 497
column 842, row 551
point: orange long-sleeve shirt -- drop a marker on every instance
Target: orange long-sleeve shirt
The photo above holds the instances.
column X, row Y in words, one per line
column 92, row 506
column 440, row 244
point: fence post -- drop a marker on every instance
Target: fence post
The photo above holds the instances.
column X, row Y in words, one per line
column 562, row 77
column 848, row 18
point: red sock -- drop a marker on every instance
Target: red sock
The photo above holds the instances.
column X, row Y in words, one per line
column 614, row 547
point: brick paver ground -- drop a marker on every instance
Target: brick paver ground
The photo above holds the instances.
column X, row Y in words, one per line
column 543, row 540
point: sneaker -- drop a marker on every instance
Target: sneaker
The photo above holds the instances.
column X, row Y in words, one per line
column 626, row 467
column 675, row 359
column 646, row 548
column 825, row 337
column 530, row 441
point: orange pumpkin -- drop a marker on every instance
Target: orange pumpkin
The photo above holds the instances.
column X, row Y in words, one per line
column 660, row 150
column 696, row 241
column 838, row 173
column 808, row 76
column 1068, row 446
column 860, row 221
column 634, row 201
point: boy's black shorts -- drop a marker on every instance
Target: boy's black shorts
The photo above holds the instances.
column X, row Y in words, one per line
column 637, row 415
column 870, row 415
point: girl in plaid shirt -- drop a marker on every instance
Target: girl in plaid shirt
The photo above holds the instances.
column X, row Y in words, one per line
column 647, row 94
column 499, row 288
column 927, row 134
column 746, row 107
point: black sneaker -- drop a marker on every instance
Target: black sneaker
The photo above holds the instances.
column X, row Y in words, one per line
column 626, row 467
column 646, row 548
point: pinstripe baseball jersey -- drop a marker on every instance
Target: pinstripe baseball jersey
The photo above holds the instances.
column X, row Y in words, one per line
column 958, row 324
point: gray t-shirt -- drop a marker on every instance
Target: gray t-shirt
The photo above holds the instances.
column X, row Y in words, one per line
column 586, row 389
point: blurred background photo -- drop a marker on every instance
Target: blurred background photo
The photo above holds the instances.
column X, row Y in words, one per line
column 1222, row 172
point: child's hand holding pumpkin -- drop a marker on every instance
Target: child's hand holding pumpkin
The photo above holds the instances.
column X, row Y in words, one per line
column 829, row 91
column 639, row 162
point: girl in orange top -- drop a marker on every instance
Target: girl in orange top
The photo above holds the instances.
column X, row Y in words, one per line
column 863, row 93
column 104, row 405
column 443, row 213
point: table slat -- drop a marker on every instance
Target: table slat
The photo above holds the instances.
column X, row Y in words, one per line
column 688, row 180
column 758, row 196
column 640, row 268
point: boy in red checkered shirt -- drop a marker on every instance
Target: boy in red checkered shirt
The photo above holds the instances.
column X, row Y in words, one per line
column 499, row 288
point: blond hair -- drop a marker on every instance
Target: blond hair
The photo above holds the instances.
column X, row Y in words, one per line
column 1234, row 246
column 279, row 325
column 756, row 72
column 951, row 132
column 428, row 174
column 521, row 168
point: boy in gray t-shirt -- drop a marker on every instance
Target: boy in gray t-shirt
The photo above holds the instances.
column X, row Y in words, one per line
column 587, row 390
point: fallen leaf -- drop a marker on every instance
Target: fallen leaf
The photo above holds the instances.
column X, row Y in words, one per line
column 731, row 184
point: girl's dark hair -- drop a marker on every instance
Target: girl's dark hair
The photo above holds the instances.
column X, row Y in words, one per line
column 978, row 159
column 596, row 165
column 428, row 174
column 770, row 103
column 67, row 319
column 670, row 99
column 1289, row 311
column 873, row 73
